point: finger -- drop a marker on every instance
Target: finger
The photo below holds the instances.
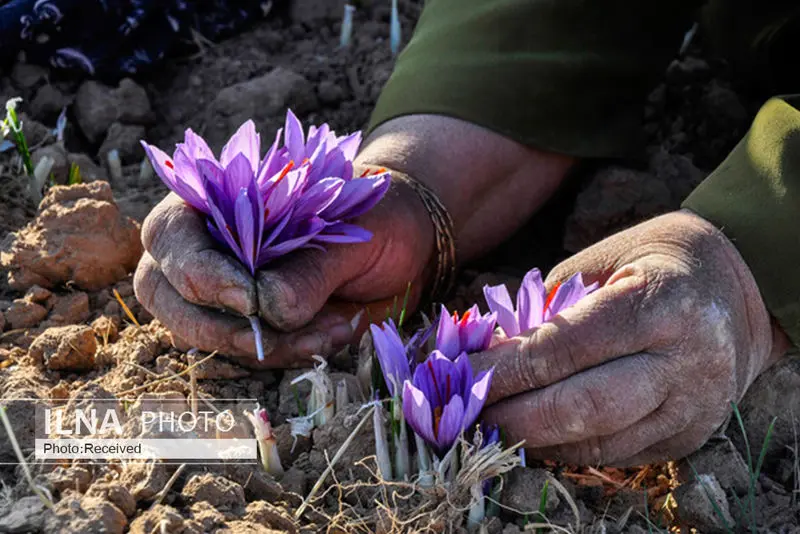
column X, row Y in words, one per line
column 611, row 322
column 599, row 402
column 674, row 448
column 176, row 237
column 625, row 447
column 210, row 330
column 292, row 290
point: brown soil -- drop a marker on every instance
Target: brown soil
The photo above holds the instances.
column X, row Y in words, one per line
column 65, row 337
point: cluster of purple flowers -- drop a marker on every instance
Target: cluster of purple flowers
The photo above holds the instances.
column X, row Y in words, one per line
column 300, row 194
column 441, row 396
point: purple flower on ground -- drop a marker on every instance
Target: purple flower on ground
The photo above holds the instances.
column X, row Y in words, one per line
column 534, row 305
column 472, row 332
column 299, row 195
column 392, row 354
column 443, row 399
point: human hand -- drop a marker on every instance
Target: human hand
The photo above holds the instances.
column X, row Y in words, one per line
column 187, row 282
column 646, row 367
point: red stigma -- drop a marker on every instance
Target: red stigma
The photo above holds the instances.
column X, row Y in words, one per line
column 169, row 164
column 465, row 318
column 550, row 297
column 285, row 171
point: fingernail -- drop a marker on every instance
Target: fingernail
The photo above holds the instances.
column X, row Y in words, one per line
column 236, row 299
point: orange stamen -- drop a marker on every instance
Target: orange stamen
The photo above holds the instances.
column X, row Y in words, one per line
column 379, row 171
column 550, row 297
column 465, row 318
column 437, row 418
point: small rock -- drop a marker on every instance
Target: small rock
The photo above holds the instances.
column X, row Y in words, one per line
column 58, row 154
column 98, row 106
column 523, row 491
column 695, row 508
column 720, row 458
column 46, row 106
column 24, row 314
column 90, row 514
column 144, row 480
column 115, row 493
column 260, row 99
column 216, row 490
column 70, row 309
column 79, row 235
column 65, row 348
column 38, row 294
column 329, row 92
column 125, row 139
column 26, row 515
column 28, row 75
column 90, row 171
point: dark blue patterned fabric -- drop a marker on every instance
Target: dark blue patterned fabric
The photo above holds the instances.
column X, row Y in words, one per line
column 115, row 37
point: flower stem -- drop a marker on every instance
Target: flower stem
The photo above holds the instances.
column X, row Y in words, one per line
column 423, row 462
column 255, row 324
column 381, row 444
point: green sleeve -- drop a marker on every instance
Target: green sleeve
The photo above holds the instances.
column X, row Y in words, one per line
column 569, row 76
column 754, row 197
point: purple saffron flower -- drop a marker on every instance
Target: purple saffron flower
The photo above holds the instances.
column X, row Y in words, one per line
column 327, row 155
column 392, row 354
column 472, row 332
column 443, row 399
column 534, row 305
column 297, row 196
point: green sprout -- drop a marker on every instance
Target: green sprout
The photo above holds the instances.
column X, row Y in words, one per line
column 74, row 174
column 12, row 125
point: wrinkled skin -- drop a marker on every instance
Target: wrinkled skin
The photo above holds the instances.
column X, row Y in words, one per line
column 645, row 368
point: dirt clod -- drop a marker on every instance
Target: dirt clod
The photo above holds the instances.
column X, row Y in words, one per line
column 523, row 491
column 24, row 314
column 27, row 515
column 89, row 514
column 70, row 309
column 98, row 106
column 65, row 348
column 144, row 480
column 695, row 507
column 80, row 236
column 216, row 490
column 720, row 458
column 259, row 99
column 116, row 494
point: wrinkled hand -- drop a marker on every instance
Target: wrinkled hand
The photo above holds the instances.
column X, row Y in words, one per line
column 645, row 368
column 201, row 293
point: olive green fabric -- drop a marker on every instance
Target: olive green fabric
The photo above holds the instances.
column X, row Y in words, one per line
column 754, row 197
column 571, row 76
column 565, row 75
